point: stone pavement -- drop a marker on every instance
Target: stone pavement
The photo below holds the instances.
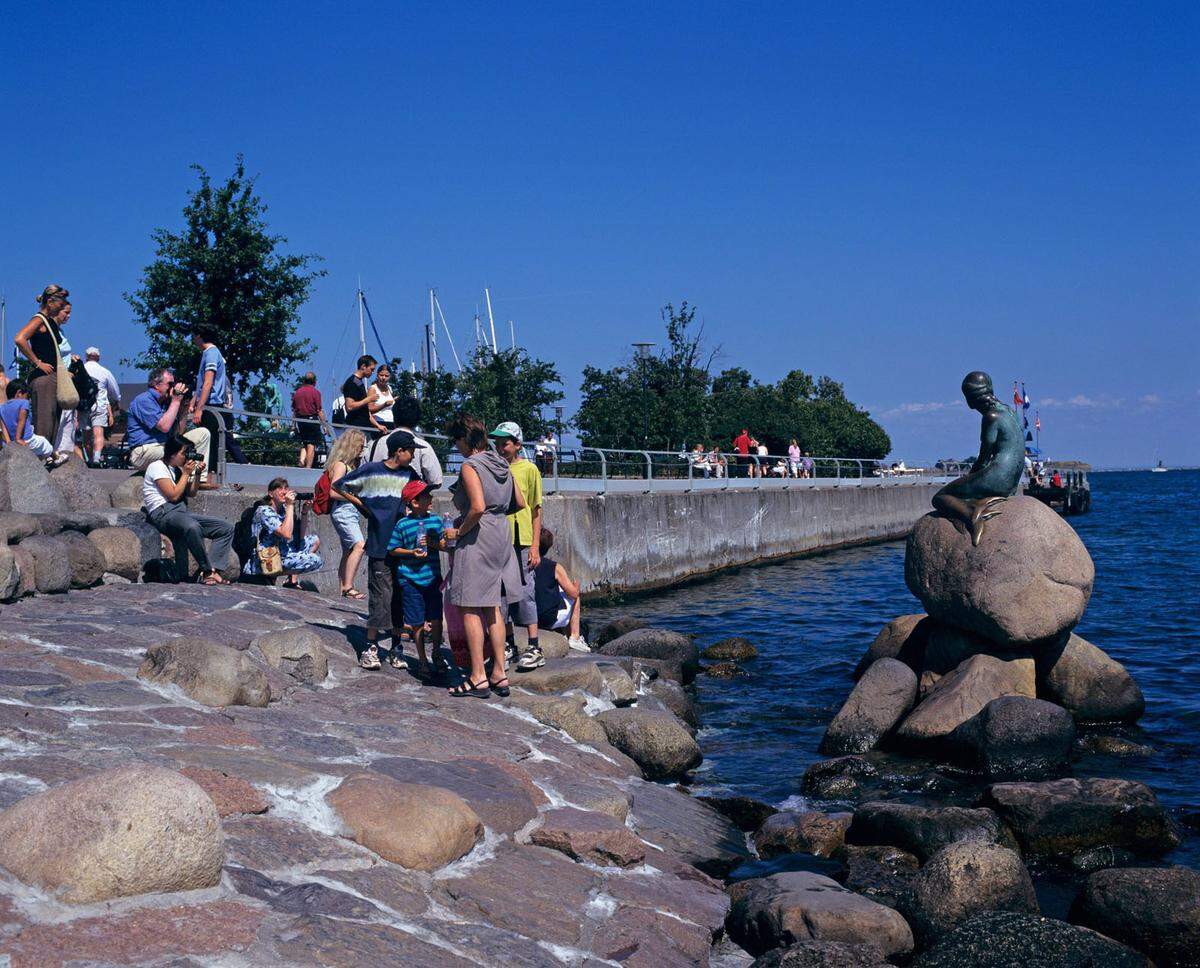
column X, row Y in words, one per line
column 295, row 889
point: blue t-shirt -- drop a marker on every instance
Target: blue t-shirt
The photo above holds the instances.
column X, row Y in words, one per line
column 211, row 359
column 145, row 412
column 380, row 489
column 10, row 413
column 406, row 534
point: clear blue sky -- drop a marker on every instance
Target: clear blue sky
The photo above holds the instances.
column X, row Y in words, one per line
column 892, row 194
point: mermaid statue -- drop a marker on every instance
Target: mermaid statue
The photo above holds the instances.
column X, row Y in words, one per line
column 976, row 497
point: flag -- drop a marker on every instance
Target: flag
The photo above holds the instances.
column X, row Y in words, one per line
column 1026, row 419
column 1037, row 421
column 1016, row 394
column 1025, row 398
column 1028, row 435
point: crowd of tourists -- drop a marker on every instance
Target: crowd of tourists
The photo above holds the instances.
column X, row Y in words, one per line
column 378, row 468
column 751, row 459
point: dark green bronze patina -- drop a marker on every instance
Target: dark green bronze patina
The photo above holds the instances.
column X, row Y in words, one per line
column 975, row 497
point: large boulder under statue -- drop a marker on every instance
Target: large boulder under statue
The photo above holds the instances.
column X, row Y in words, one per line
column 1028, row 581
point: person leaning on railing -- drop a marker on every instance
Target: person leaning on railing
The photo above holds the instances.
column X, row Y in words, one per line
column 310, row 418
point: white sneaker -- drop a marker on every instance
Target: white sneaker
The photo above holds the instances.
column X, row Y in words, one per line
column 578, row 643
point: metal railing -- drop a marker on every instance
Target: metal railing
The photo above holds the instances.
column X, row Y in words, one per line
column 593, row 470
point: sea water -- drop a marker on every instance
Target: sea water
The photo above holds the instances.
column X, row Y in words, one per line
column 812, row 618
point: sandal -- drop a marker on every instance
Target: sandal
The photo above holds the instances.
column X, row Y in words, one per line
column 292, row 582
column 475, row 690
column 500, row 690
column 353, row 593
column 213, row 578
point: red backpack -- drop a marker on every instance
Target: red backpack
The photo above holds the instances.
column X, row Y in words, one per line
column 320, row 501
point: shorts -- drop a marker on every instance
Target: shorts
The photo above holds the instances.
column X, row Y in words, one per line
column 97, row 417
column 385, row 607
column 520, row 603
column 422, row 603
column 556, row 620
column 310, row 433
column 347, row 524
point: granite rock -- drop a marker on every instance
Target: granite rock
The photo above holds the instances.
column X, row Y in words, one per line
column 212, row 674
column 1155, row 910
column 924, row 831
column 1088, row 683
column 657, row 743
column 1015, row 737
column 963, row 693
column 877, row 702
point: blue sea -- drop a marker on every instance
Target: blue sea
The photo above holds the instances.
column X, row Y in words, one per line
column 812, row 618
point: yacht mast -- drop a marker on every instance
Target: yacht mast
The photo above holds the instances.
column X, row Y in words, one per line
column 491, row 319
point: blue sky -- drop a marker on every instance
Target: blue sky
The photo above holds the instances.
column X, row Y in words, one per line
column 892, row 194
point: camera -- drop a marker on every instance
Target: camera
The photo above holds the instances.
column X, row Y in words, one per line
column 190, row 453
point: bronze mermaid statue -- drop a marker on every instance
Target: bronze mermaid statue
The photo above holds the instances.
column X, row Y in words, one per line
column 975, row 498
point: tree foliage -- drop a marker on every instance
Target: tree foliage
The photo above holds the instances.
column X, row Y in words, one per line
column 224, row 268
column 670, row 401
column 507, row 385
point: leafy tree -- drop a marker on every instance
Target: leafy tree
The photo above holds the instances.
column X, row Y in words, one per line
column 669, row 401
column 509, row 385
column 223, row 268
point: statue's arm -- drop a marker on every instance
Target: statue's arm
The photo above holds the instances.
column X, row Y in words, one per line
column 989, row 431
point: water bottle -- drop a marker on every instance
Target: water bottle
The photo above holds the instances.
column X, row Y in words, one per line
column 448, row 522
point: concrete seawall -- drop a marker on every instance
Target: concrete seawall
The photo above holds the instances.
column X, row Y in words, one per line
column 629, row 542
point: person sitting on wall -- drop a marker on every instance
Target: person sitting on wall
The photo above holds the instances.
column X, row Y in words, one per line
column 275, row 525
column 557, row 595
column 168, row 483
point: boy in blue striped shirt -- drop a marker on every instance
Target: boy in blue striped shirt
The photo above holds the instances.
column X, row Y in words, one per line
column 413, row 550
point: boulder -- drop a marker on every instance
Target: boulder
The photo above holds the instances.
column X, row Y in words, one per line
column 212, row 674
column 1107, row 744
column 588, row 836
column 878, row 700
column 14, row 526
column 823, row 954
column 1155, row 910
column 1006, row 940
column 968, row 878
column 723, row 670
column 50, row 522
column 1098, row 858
column 616, row 628
column 128, row 494
column 772, row 912
column 559, row 675
column 416, row 826
column 25, row 484
column 1028, row 581
column 672, row 695
column 688, row 828
column 132, row 830
column 230, row 794
column 27, row 569
column 924, row 831
column 566, row 713
column 10, row 574
column 86, row 522
column 1089, row 684
column 658, row 744
column 749, row 814
column 51, row 561
column 881, row 873
column 807, row 832
column 87, row 562
column 81, row 490
column 148, row 537
column 1063, row 817
column 617, row 685
column 1015, row 737
column 650, row 670
column 658, row 644
column 122, row 551
column 902, row 638
column 963, row 693
column 735, row 649
column 948, row 647
column 297, row 651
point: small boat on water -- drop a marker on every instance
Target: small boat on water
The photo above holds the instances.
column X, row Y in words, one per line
column 1159, row 469
column 1062, row 485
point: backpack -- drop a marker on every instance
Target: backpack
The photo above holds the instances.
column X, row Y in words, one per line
column 85, row 385
column 321, row 496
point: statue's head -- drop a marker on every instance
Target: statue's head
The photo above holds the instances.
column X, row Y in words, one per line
column 977, row 388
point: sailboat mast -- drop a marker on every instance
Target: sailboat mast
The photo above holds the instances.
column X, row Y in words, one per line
column 512, row 333
column 491, row 319
column 362, row 333
column 3, row 332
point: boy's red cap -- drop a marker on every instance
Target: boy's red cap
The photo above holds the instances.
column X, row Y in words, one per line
column 413, row 490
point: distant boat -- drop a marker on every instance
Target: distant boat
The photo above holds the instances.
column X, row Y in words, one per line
column 1159, row 469
column 1063, row 486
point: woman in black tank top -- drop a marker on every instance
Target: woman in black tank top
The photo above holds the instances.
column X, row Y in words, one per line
column 38, row 340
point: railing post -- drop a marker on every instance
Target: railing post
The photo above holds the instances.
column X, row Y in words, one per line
column 649, row 471
column 603, row 471
column 554, row 457
column 689, row 467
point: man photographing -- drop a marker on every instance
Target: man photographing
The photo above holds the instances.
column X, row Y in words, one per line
column 153, row 415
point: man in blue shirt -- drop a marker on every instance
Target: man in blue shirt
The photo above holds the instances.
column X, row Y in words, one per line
column 213, row 389
column 152, row 416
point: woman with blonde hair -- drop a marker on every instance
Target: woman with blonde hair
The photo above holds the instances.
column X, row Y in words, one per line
column 344, row 456
column 38, row 339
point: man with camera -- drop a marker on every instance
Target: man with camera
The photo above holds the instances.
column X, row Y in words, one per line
column 153, row 416
column 168, row 483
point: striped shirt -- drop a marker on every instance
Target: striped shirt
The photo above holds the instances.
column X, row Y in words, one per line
column 407, row 534
column 379, row 488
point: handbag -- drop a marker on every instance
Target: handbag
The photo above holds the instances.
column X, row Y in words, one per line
column 270, row 561
column 64, row 383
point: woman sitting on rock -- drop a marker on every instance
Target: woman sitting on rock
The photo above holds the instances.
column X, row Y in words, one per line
column 275, row 525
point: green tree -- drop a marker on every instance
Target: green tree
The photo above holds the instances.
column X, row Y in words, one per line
column 225, row 269
column 509, row 385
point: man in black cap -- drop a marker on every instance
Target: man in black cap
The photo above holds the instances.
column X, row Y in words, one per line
column 377, row 490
